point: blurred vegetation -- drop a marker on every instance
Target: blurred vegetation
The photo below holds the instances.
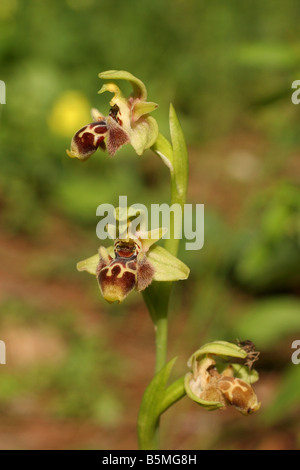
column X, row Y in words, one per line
column 228, row 69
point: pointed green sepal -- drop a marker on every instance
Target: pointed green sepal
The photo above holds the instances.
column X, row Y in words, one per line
column 89, row 264
column 222, row 349
column 143, row 134
column 166, row 266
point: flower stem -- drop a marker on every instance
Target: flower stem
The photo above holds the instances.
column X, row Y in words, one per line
column 157, row 300
column 157, row 296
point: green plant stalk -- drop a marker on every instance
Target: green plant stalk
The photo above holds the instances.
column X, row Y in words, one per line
column 177, row 156
column 157, row 296
column 157, row 399
column 179, row 181
column 157, row 300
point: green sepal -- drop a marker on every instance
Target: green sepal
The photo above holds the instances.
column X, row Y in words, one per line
column 139, row 88
column 143, row 135
column 221, row 349
column 166, row 266
column 90, row 264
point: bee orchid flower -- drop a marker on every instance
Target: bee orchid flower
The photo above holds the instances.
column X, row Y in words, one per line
column 128, row 121
column 132, row 263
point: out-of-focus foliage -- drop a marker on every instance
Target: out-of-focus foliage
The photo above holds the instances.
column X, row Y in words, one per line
column 268, row 255
column 70, row 377
column 228, row 68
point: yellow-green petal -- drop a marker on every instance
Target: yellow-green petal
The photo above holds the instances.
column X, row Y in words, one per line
column 141, row 108
column 151, row 237
column 89, row 264
column 167, row 267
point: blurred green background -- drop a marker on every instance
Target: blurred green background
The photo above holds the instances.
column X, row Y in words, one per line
column 76, row 366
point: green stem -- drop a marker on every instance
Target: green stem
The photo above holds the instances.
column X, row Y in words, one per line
column 157, row 300
column 157, row 296
column 157, row 399
column 161, row 316
column 161, row 341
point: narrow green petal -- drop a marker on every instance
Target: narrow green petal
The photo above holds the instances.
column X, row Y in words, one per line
column 112, row 88
column 151, row 237
column 141, row 108
column 89, row 265
column 167, row 267
column 111, row 230
column 139, row 88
